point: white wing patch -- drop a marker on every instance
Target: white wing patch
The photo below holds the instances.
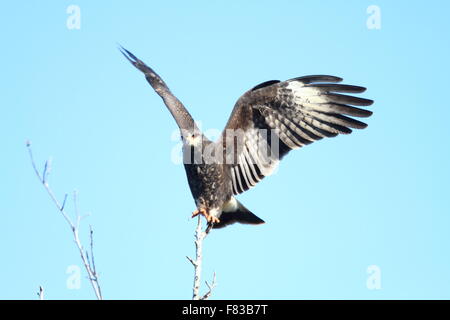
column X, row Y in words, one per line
column 255, row 161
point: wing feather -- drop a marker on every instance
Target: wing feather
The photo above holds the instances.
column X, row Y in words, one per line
column 276, row 117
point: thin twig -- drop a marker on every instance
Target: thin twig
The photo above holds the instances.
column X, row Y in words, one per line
column 92, row 267
column 210, row 287
column 74, row 227
column 41, row 293
column 191, row 261
column 47, row 188
column 47, row 168
column 197, row 263
column 91, row 236
column 64, row 202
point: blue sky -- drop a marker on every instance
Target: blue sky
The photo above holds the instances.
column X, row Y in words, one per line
column 377, row 197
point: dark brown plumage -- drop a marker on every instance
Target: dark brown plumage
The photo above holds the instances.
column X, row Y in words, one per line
column 266, row 123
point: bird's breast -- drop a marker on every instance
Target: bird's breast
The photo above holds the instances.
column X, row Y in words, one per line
column 207, row 183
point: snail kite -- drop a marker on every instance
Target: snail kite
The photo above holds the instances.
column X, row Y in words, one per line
column 266, row 123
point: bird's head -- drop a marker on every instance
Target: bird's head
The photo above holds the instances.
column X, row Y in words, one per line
column 192, row 147
column 191, row 138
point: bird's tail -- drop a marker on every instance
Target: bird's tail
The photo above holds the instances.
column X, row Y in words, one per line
column 236, row 213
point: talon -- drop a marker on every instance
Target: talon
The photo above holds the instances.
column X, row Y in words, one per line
column 212, row 219
column 201, row 211
column 216, row 220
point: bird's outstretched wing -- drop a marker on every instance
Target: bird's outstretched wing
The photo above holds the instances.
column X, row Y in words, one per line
column 176, row 108
column 276, row 117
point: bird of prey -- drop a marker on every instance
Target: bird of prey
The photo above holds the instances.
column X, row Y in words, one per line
column 266, row 123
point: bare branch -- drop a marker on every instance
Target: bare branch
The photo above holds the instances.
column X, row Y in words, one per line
column 191, row 261
column 49, row 191
column 74, row 227
column 64, row 202
column 91, row 273
column 40, row 293
column 210, row 288
column 91, row 236
column 47, row 168
column 197, row 263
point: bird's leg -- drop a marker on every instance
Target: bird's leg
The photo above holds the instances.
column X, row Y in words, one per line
column 211, row 221
column 201, row 211
column 210, row 218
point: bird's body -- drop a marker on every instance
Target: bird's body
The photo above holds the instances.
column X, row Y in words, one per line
column 210, row 184
column 209, row 190
column 266, row 123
